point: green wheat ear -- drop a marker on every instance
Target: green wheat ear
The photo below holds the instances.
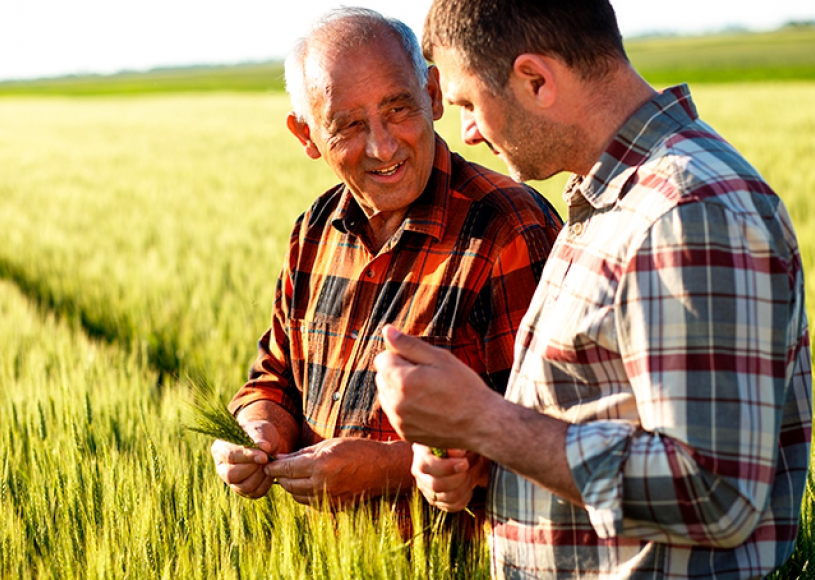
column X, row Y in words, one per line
column 210, row 416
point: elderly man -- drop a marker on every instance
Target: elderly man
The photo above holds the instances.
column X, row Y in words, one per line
column 414, row 236
column 657, row 420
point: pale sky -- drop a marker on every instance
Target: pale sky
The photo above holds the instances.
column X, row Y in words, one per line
column 57, row 37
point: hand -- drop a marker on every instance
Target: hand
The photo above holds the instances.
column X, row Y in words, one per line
column 432, row 398
column 344, row 469
column 242, row 468
column 448, row 483
column 429, row 395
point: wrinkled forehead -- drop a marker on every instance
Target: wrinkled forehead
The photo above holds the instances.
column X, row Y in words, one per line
column 330, row 60
column 335, row 74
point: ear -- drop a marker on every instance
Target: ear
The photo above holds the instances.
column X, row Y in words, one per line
column 535, row 78
column 302, row 131
column 434, row 90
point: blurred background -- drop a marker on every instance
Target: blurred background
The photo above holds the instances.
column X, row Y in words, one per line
column 40, row 38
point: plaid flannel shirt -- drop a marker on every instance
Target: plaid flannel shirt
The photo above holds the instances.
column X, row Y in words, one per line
column 460, row 273
column 669, row 330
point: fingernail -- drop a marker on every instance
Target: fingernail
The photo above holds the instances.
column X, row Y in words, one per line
column 392, row 331
column 460, row 467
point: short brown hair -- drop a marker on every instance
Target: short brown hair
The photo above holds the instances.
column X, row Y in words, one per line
column 489, row 35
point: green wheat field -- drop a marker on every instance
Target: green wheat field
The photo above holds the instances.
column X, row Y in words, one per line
column 143, row 220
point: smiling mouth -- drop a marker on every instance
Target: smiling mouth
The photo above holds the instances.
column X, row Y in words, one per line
column 388, row 170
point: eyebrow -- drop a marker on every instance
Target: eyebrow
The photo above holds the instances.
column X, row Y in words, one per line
column 401, row 97
column 339, row 118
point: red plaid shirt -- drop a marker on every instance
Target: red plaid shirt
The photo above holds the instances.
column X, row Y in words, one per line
column 669, row 329
column 460, row 273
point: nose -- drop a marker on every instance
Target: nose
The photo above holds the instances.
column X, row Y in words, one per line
column 380, row 143
column 469, row 129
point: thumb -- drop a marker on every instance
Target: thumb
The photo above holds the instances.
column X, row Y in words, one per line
column 264, row 434
column 408, row 347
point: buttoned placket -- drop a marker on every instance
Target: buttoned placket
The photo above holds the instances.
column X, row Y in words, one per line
column 575, row 228
column 369, row 278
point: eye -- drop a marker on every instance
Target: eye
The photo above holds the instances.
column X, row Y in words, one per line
column 348, row 128
column 399, row 112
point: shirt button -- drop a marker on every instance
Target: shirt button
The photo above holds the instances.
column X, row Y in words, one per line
column 336, row 396
column 355, row 334
column 370, row 273
column 578, row 228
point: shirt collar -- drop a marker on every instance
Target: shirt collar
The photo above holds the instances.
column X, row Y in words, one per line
column 427, row 215
column 633, row 144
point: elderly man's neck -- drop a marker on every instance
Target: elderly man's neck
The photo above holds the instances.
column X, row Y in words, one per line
column 382, row 226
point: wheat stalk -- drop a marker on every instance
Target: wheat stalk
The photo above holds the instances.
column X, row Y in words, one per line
column 210, row 416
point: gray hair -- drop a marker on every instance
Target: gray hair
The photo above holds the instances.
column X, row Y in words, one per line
column 356, row 27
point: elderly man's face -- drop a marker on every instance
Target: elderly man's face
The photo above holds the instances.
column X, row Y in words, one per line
column 373, row 123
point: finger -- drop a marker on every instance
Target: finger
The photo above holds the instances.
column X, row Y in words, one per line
column 302, row 489
column 451, row 503
column 225, row 452
column 265, row 486
column 392, row 364
column 457, row 453
column 454, row 501
column 438, row 485
column 293, row 454
column 255, row 486
column 426, row 463
column 263, row 434
column 290, row 467
column 236, row 474
column 408, row 347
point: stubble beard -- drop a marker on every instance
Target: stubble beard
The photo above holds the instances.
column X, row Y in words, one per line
column 537, row 148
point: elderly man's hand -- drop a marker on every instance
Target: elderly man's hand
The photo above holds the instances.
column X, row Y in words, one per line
column 448, row 482
column 343, row 470
column 242, row 468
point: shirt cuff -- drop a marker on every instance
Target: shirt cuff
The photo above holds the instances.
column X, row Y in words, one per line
column 596, row 453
